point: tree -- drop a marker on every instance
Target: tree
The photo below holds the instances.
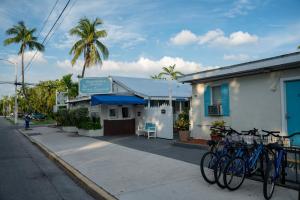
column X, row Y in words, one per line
column 24, row 36
column 170, row 72
column 157, row 77
column 71, row 86
column 88, row 44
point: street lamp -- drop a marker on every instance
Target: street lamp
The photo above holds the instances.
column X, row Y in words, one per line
column 16, row 83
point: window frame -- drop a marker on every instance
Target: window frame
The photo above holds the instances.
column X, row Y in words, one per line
column 128, row 112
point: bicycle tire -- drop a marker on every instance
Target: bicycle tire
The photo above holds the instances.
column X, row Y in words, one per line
column 212, row 158
column 229, row 168
column 219, row 170
column 268, row 175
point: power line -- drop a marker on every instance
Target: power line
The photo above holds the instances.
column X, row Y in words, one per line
column 46, row 20
column 69, row 11
column 28, row 65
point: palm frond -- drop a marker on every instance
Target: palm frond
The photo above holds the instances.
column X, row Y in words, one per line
column 103, row 49
column 97, row 22
column 9, row 41
column 36, row 45
column 101, row 34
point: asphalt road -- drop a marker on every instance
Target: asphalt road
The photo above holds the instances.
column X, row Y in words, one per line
column 26, row 173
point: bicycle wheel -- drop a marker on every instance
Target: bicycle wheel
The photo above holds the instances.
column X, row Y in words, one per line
column 207, row 165
column 234, row 173
column 269, row 180
column 219, row 169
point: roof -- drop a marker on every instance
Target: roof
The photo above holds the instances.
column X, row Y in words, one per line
column 154, row 88
column 281, row 62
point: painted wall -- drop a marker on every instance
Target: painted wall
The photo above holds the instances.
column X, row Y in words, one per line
column 163, row 121
column 255, row 102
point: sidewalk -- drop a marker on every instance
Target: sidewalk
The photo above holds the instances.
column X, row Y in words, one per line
column 133, row 174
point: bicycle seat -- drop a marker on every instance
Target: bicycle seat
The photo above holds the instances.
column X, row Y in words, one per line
column 275, row 146
column 211, row 143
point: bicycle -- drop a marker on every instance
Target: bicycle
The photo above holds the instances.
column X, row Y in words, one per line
column 275, row 169
column 237, row 150
column 244, row 165
column 210, row 158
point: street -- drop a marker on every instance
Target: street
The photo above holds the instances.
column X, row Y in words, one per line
column 26, row 173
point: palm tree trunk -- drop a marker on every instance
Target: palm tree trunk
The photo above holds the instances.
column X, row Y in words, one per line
column 83, row 70
column 23, row 81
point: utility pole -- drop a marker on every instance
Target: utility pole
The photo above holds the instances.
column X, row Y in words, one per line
column 16, row 84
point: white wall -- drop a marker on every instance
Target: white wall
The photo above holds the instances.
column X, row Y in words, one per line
column 255, row 102
column 163, row 122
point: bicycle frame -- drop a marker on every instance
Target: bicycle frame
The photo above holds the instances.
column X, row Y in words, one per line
column 279, row 156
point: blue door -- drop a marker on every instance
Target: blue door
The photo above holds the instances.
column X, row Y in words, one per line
column 293, row 108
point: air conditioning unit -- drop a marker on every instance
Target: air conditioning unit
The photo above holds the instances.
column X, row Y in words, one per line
column 215, row 110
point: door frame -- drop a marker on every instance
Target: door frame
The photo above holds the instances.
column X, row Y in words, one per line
column 284, row 103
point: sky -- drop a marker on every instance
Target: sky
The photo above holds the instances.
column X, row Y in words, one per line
column 146, row 35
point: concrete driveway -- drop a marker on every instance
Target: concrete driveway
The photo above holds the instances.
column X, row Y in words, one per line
column 157, row 146
column 129, row 173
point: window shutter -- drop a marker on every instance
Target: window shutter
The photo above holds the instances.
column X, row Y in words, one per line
column 207, row 99
column 225, row 99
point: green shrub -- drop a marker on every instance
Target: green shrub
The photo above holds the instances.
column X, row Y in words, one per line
column 88, row 123
column 77, row 117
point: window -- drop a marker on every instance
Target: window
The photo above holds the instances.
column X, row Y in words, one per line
column 112, row 113
column 216, row 95
column 125, row 112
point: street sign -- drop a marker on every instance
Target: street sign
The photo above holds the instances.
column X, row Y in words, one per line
column 96, row 85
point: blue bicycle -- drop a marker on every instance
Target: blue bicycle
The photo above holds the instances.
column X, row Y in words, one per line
column 237, row 150
column 255, row 157
column 210, row 158
column 275, row 166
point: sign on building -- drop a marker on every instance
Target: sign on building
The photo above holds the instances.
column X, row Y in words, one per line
column 61, row 100
column 97, row 85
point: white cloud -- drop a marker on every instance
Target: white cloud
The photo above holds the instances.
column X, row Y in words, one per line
column 38, row 58
column 210, row 36
column 236, row 57
column 143, row 67
column 240, row 7
column 236, row 38
column 184, row 37
column 214, row 37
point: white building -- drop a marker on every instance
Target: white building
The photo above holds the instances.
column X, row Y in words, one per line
column 124, row 103
column 263, row 94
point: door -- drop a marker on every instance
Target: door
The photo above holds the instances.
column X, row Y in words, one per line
column 293, row 109
column 119, row 127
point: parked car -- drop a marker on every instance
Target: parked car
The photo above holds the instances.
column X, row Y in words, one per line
column 37, row 116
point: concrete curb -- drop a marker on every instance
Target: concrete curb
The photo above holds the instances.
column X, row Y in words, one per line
column 92, row 188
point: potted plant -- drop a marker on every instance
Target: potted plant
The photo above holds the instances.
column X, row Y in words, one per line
column 64, row 118
column 216, row 134
column 182, row 124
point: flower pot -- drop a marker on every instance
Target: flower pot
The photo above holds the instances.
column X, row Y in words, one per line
column 90, row 133
column 70, row 129
column 216, row 137
column 184, row 135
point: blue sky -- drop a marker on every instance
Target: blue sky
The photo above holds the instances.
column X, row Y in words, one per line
column 144, row 36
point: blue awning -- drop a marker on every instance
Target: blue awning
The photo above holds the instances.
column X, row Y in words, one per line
column 116, row 100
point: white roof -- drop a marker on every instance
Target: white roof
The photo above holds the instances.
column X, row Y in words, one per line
column 279, row 62
column 154, row 88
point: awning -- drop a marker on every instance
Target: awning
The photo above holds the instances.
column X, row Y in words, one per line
column 116, row 100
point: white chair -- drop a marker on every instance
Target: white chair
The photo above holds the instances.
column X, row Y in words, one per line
column 150, row 129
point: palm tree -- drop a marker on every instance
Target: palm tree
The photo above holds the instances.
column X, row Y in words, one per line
column 171, row 72
column 24, row 36
column 157, row 77
column 88, row 43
